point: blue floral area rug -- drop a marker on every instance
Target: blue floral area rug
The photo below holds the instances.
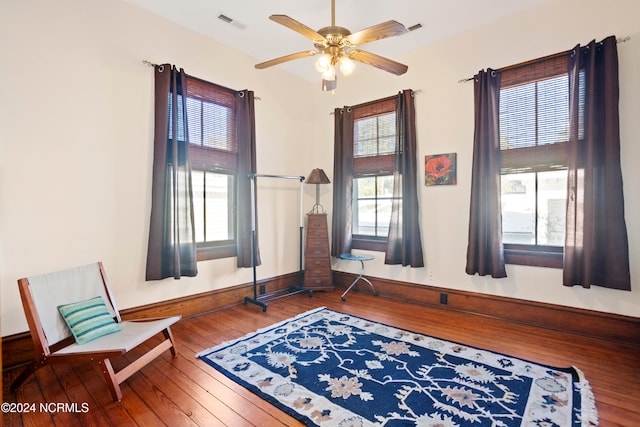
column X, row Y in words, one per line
column 327, row 368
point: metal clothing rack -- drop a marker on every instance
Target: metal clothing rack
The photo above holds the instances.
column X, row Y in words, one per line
column 263, row 298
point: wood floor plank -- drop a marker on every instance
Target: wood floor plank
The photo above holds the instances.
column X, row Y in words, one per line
column 160, row 403
column 188, row 397
column 185, row 374
column 51, row 390
column 243, row 402
column 31, row 394
column 10, row 417
column 137, row 408
column 187, row 391
column 68, row 385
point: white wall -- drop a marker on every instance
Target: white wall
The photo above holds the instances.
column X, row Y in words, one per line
column 76, row 144
column 76, row 131
column 444, row 111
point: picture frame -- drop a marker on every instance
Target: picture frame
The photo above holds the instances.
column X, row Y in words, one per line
column 440, row 169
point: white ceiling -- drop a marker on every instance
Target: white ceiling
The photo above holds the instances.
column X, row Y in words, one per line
column 252, row 33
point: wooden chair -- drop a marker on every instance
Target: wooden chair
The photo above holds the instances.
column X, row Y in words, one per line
column 54, row 341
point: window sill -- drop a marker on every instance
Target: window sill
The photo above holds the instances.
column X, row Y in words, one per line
column 537, row 256
column 206, row 253
column 369, row 243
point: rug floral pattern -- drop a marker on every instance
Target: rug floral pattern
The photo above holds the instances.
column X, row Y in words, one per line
column 332, row 369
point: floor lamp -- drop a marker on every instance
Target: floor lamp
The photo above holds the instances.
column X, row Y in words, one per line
column 317, row 177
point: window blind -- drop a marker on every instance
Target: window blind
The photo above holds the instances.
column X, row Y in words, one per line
column 374, row 138
column 534, row 116
column 212, row 127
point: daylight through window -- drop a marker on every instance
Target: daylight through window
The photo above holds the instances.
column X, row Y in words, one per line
column 374, row 146
column 213, row 155
column 534, row 131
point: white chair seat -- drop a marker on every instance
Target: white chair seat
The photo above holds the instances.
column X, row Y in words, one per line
column 133, row 334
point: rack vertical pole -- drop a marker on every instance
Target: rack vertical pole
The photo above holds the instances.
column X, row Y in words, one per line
column 262, row 299
column 300, row 272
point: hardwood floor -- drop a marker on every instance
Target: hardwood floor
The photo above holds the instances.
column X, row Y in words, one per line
column 187, row 392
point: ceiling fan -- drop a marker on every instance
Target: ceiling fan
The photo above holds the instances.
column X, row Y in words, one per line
column 337, row 47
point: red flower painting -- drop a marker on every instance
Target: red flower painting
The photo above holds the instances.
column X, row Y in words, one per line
column 440, row 169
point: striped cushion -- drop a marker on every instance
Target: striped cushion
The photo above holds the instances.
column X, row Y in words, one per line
column 88, row 319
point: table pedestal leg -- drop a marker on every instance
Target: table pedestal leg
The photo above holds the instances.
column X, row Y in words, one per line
column 357, row 279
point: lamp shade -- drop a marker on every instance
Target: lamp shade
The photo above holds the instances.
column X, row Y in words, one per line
column 317, row 176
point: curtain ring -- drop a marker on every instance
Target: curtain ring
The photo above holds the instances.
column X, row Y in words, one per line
column 573, row 53
column 349, row 109
column 161, row 68
column 493, row 73
column 241, row 94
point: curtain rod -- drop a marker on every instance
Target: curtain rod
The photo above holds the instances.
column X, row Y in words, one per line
column 151, row 64
column 552, row 56
column 413, row 93
column 256, row 175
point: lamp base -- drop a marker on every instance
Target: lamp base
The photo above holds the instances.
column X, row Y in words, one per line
column 317, row 209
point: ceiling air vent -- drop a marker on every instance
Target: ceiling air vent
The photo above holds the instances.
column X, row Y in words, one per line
column 225, row 18
column 231, row 21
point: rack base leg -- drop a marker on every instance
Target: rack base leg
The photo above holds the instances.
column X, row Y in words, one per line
column 262, row 304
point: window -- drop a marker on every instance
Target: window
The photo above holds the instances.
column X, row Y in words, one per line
column 375, row 196
column 534, row 131
column 528, row 139
column 214, row 162
column 374, row 146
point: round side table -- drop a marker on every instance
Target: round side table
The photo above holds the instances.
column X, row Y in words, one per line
column 362, row 259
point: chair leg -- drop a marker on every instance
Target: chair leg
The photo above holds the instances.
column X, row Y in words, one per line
column 169, row 335
column 110, row 377
column 25, row 374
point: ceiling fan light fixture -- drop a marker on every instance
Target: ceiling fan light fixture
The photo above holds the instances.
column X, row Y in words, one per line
column 346, row 66
column 330, row 74
column 323, row 64
column 336, row 47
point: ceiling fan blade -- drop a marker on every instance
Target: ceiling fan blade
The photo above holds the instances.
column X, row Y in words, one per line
column 378, row 61
column 377, row 32
column 298, row 27
column 285, row 58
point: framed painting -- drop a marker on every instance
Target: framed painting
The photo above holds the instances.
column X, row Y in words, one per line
column 440, row 169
